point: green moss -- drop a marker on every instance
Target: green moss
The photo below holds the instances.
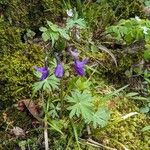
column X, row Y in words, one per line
column 127, row 8
column 21, row 13
column 16, row 65
column 128, row 132
column 29, row 14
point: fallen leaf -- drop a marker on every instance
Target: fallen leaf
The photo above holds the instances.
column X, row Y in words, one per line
column 30, row 105
column 18, row 132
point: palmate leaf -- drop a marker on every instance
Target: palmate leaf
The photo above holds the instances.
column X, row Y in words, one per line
column 63, row 33
column 37, row 86
column 51, row 83
column 100, row 117
column 54, row 109
column 80, row 104
column 82, row 84
column 80, row 23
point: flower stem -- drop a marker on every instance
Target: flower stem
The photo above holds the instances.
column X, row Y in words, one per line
column 61, row 98
column 46, row 134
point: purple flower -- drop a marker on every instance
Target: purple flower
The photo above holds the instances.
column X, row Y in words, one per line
column 44, row 71
column 59, row 70
column 79, row 66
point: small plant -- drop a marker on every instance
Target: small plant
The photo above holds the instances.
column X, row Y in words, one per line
column 76, row 103
column 144, row 94
column 69, row 102
column 131, row 30
column 54, row 32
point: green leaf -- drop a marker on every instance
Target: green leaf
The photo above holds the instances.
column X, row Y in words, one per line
column 54, row 37
column 45, row 36
column 37, row 86
column 144, row 109
column 43, row 29
column 51, row 83
column 56, row 125
column 49, row 23
column 132, row 94
column 101, row 117
column 81, row 104
column 64, row 34
column 80, row 23
column 52, row 26
column 82, row 84
column 54, row 110
column 147, row 128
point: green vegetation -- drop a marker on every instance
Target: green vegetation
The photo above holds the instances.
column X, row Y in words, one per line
column 92, row 88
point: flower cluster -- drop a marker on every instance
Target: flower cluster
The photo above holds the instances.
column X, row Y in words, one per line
column 59, row 70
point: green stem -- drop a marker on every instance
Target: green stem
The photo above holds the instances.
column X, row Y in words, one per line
column 75, row 134
column 61, row 99
column 79, row 4
column 69, row 142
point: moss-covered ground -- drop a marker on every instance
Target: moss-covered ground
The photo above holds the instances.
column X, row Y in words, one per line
column 20, row 53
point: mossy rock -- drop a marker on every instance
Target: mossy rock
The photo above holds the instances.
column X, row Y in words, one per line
column 16, row 65
column 28, row 14
column 21, row 13
column 127, row 132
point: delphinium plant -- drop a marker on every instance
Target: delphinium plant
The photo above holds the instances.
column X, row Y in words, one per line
column 70, row 102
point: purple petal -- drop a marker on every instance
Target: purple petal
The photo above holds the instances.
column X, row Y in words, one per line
column 79, row 71
column 59, row 71
column 44, row 75
column 40, row 69
column 44, row 71
column 79, row 66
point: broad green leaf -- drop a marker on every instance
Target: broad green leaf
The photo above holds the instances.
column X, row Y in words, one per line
column 144, row 109
column 80, row 104
column 54, row 37
column 82, row 84
column 80, row 23
column 49, row 23
column 43, row 29
column 54, row 28
column 45, row 36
